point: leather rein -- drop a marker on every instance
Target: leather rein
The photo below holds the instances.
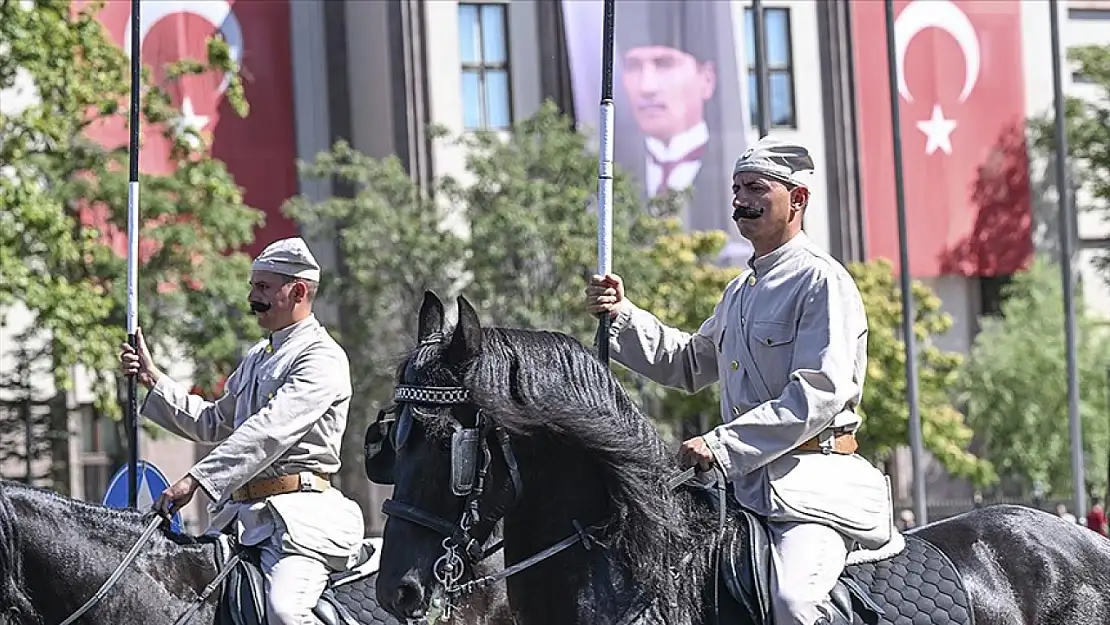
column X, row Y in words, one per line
column 148, row 533
column 468, row 479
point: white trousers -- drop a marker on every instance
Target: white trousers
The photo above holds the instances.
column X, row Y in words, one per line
column 294, row 584
column 806, row 561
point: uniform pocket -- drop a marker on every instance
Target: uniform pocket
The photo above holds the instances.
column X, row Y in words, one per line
column 327, row 523
column 772, row 347
column 845, row 492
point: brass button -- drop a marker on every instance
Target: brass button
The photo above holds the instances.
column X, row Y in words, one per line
column 734, row 364
column 751, row 280
column 270, row 396
column 270, row 348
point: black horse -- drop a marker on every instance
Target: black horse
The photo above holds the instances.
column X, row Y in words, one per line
column 56, row 552
column 530, row 427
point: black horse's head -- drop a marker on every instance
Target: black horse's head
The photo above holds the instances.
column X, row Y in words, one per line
column 452, row 469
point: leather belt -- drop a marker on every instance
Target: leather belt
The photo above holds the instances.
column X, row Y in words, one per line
column 841, row 443
column 263, row 487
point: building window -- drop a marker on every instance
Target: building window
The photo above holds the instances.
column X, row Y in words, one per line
column 484, row 54
column 780, row 66
column 992, row 294
column 99, row 443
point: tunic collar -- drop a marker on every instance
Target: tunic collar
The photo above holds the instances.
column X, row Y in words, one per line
column 763, row 264
column 277, row 339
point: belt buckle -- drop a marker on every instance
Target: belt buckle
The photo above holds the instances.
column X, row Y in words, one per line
column 826, row 440
column 306, row 483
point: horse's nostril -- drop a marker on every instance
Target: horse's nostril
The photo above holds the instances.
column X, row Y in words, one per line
column 410, row 594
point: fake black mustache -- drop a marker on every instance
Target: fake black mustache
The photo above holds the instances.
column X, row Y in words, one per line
column 746, row 212
column 259, row 307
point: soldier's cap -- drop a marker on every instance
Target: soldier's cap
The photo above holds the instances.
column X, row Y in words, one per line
column 288, row 257
column 784, row 161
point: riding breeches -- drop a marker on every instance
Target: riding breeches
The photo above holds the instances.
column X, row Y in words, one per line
column 807, row 559
column 294, row 584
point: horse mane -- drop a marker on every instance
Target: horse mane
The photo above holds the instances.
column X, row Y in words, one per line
column 15, row 605
column 536, row 382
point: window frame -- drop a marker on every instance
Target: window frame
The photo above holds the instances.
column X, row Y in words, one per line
column 482, row 67
column 773, row 69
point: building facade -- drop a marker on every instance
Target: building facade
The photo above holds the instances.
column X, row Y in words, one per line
column 378, row 73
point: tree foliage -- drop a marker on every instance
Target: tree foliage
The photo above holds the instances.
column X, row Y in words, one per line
column 1088, row 132
column 1014, row 385
column 884, row 407
column 65, row 199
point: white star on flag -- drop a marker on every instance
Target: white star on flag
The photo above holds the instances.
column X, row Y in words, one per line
column 938, row 131
column 189, row 120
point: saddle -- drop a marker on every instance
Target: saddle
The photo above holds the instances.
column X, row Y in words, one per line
column 900, row 589
column 243, row 597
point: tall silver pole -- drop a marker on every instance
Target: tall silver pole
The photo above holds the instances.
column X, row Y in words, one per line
column 133, row 259
column 917, row 450
column 605, row 172
column 762, row 79
column 1067, row 247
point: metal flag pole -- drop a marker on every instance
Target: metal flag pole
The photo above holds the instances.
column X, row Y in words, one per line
column 1067, row 246
column 917, row 451
column 762, row 80
column 133, row 261
column 605, row 173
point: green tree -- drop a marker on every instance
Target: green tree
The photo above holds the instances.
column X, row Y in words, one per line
column 58, row 263
column 393, row 243
column 1088, row 130
column 1014, row 385
column 884, row 406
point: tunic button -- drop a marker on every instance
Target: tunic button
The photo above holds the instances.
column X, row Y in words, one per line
column 735, row 411
column 270, row 396
column 735, row 365
column 751, row 280
column 767, row 341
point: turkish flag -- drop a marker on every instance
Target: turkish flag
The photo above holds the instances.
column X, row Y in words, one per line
column 962, row 98
column 259, row 150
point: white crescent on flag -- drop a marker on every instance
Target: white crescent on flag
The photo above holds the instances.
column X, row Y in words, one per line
column 215, row 12
column 945, row 15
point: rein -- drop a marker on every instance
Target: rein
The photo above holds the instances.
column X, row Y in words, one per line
column 468, row 479
column 148, row 533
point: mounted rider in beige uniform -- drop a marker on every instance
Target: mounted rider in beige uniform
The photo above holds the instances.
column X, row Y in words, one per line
column 788, row 344
column 278, row 429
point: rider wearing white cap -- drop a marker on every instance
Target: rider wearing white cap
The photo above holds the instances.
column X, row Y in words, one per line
column 277, row 429
column 788, row 344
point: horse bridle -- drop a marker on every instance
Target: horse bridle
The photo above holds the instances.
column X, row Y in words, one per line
column 470, row 462
column 468, row 480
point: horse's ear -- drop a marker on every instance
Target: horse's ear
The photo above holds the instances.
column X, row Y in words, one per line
column 431, row 317
column 466, row 342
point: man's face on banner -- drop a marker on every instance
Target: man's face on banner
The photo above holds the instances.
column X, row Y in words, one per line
column 667, row 89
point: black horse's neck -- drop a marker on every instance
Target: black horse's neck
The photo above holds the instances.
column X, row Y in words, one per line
column 68, row 549
column 579, row 585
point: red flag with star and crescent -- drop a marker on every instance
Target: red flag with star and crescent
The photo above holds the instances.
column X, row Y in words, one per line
column 962, row 96
column 258, row 150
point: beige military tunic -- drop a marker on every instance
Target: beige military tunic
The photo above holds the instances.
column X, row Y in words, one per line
column 788, row 343
column 284, row 411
